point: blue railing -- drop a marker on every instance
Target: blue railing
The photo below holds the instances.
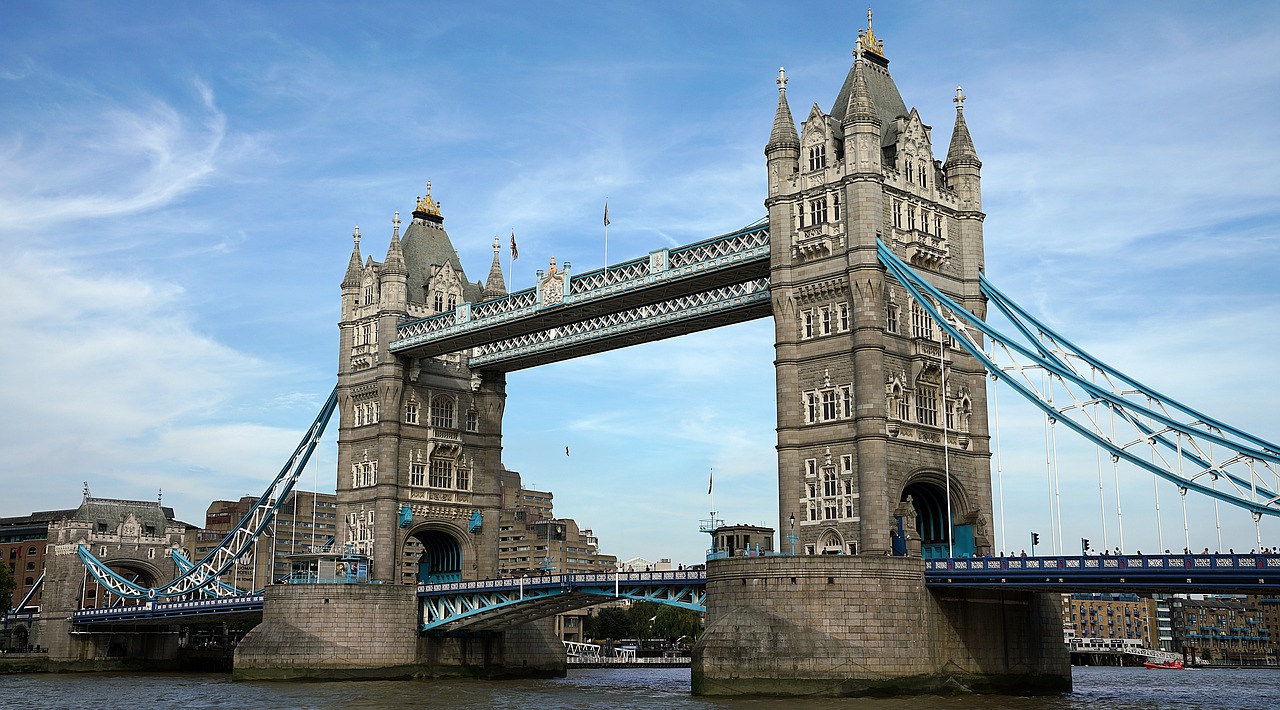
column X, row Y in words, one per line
column 1174, row 572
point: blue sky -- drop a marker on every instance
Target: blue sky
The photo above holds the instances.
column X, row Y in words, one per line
column 178, row 183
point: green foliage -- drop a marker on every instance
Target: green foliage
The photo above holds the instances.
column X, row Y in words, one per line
column 643, row 620
column 7, row 585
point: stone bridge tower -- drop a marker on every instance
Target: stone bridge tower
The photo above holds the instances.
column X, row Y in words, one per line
column 871, row 435
column 419, row 439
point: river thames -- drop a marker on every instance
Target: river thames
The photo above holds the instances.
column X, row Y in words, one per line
column 1097, row 688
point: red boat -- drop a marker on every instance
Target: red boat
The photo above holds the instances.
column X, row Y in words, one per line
column 1168, row 666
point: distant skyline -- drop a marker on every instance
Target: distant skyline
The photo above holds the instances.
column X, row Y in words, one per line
column 179, row 183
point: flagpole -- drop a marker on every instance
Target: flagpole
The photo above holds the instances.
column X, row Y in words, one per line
column 606, row 233
column 511, row 268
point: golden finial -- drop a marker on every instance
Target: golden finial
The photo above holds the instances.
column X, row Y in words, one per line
column 867, row 39
column 426, row 205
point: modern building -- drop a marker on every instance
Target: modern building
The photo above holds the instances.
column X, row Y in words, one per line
column 305, row 521
column 1111, row 617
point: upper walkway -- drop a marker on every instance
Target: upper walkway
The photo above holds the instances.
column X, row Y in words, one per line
column 1220, row 573
column 714, row 282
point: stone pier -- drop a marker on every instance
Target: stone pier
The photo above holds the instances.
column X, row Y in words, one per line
column 845, row 625
column 350, row 631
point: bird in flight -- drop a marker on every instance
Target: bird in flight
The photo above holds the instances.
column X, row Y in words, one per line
column 566, row 451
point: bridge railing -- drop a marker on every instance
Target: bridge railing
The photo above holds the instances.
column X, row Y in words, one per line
column 170, row 608
column 1234, row 561
column 558, row 580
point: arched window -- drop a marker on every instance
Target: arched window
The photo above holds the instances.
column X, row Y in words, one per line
column 921, row 322
column 31, row 550
column 442, row 412
column 923, row 182
column 830, row 486
column 927, row 399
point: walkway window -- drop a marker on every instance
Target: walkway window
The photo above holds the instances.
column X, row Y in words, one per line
column 442, row 412
column 441, row 473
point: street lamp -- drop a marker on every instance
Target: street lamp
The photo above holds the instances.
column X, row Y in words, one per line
column 792, row 536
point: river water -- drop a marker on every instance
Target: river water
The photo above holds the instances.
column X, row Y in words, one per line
column 1096, row 688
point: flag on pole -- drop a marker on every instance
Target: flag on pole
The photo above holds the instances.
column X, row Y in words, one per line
column 515, row 254
column 711, row 479
column 606, row 212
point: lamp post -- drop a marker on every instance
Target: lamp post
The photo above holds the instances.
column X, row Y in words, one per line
column 792, row 536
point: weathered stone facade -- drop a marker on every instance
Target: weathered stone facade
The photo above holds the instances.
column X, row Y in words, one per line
column 419, row 432
column 864, row 625
column 866, row 388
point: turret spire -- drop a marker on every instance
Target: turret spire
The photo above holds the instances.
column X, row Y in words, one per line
column 394, row 263
column 352, row 277
column 494, row 286
column 961, row 148
column 784, row 133
column 860, row 108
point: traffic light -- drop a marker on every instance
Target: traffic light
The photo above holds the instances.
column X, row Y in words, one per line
column 1035, row 539
column 1084, row 544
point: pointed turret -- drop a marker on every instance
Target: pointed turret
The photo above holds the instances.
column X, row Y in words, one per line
column 352, row 277
column 963, row 169
column 860, row 108
column 784, row 133
column 394, row 263
column 961, row 149
column 495, row 287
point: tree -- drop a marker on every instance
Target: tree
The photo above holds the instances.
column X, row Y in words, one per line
column 673, row 622
column 608, row 623
column 7, row 585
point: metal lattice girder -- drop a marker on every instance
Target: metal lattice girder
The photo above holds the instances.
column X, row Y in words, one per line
column 666, row 319
column 1153, row 573
column 202, row 578
column 31, row 593
column 662, row 276
column 1131, row 421
column 496, row 604
column 151, row 611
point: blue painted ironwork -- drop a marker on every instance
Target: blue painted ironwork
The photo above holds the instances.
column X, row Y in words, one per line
column 31, row 594
column 1166, row 573
column 678, row 316
column 477, row 520
column 152, row 610
column 202, row 578
column 406, row 515
column 1160, row 425
column 498, row 603
column 660, row 276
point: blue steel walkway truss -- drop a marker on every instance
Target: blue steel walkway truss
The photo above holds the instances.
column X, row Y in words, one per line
column 496, row 604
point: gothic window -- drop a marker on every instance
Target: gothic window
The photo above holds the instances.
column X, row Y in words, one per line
column 463, row 479
column 438, row 302
column 844, row 317
column 818, row 157
column 441, row 473
column 813, row 490
column 830, row 486
column 891, row 317
column 826, row 321
column 818, row 210
column 807, row 318
column 937, row 224
column 911, row 216
column 473, row 420
column 829, row 409
column 908, row 167
column 897, row 213
column 453, row 302
column 417, row 474
column 830, row 510
column 411, row 413
column 904, row 406
column 924, row 220
column 813, row 515
column 812, row 401
column 921, row 322
column 366, row 334
column 950, row 409
column 848, row 513
column 368, row 295
column 835, row 207
column 846, row 465
column 846, row 401
column 811, row 467
column 442, row 412
column 364, row 474
column 923, row 182
column 927, row 404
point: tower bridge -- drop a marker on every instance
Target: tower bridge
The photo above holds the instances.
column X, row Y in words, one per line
column 870, row 262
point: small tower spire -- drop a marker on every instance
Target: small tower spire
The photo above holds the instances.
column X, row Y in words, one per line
column 860, row 108
column 784, row 133
column 494, row 286
column 961, row 148
column 352, row 277
column 394, row 263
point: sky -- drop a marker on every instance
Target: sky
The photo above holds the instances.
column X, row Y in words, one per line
column 179, row 182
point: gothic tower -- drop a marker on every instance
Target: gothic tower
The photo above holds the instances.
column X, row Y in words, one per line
column 419, row 439
column 879, row 417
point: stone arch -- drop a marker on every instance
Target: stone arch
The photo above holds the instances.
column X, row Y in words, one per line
column 830, row 542
column 437, row 551
column 923, row 508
